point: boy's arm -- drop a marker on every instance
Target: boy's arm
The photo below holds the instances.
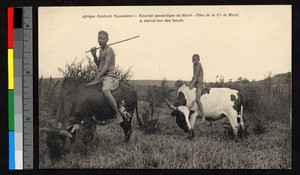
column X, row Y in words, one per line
column 108, row 58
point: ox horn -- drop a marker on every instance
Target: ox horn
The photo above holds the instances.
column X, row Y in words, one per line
column 65, row 133
column 171, row 106
column 44, row 129
column 77, row 126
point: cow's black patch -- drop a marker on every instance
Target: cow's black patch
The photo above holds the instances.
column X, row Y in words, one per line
column 181, row 101
column 237, row 103
column 180, row 120
column 232, row 97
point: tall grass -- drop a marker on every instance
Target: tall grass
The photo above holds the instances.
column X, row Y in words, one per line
column 169, row 148
column 268, row 145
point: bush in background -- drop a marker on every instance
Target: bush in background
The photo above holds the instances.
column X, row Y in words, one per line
column 86, row 73
column 155, row 96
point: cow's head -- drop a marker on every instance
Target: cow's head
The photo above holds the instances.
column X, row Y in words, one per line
column 57, row 141
column 181, row 112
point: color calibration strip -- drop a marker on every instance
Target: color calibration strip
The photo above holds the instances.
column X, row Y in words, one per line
column 20, row 86
column 10, row 42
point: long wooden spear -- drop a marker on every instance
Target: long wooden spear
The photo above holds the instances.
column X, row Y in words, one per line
column 117, row 42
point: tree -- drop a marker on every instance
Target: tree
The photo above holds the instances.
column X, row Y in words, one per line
column 243, row 80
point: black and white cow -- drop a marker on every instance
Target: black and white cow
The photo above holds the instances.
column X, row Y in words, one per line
column 217, row 104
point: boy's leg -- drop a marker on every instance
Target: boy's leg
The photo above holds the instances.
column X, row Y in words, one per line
column 126, row 125
column 108, row 85
column 113, row 104
column 200, row 107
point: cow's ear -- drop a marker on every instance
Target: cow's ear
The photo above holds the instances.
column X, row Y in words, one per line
column 192, row 112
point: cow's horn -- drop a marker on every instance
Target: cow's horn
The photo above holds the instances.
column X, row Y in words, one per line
column 44, row 129
column 191, row 105
column 75, row 128
column 59, row 125
column 171, row 106
column 65, row 133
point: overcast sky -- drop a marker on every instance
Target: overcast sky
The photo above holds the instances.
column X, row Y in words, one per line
column 253, row 42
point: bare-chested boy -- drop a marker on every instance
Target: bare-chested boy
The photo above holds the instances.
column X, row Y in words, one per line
column 197, row 82
column 106, row 71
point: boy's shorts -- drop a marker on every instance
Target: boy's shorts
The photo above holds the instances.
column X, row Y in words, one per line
column 110, row 83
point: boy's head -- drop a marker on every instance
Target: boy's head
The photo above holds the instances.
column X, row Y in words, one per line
column 196, row 58
column 102, row 38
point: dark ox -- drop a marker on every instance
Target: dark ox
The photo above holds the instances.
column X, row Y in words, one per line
column 217, row 104
column 83, row 107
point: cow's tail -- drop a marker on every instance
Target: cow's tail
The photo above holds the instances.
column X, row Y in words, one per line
column 242, row 110
column 241, row 124
column 140, row 122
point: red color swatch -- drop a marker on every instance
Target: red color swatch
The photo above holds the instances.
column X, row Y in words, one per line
column 10, row 27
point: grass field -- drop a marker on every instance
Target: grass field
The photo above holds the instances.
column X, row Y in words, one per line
column 169, row 148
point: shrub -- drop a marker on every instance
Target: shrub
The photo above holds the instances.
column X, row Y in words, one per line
column 150, row 120
column 259, row 126
column 155, row 97
column 86, row 73
column 179, row 83
column 123, row 75
column 83, row 74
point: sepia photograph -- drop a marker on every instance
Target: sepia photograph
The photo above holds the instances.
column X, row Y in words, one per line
column 165, row 87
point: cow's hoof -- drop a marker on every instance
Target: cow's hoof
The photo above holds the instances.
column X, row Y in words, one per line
column 127, row 137
column 84, row 152
column 190, row 137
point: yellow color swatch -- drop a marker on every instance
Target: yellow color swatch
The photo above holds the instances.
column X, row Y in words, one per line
column 10, row 69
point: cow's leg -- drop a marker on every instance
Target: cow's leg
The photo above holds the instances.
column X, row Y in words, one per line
column 126, row 126
column 232, row 116
column 128, row 133
column 192, row 122
column 191, row 134
column 88, row 135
